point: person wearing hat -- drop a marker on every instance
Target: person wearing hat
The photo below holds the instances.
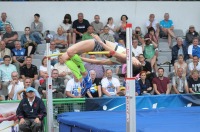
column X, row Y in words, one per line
column 31, row 112
column 190, row 35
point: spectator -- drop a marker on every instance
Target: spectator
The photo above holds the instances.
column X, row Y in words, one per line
column 194, row 65
column 4, row 22
column 153, row 23
column 179, row 49
column 95, row 90
column 99, row 69
column 122, row 27
column 87, row 35
column 29, row 70
column 180, row 64
column 167, row 27
column 190, row 35
column 106, row 36
column 67, row 27
column 110, row 84
column 194, row 48
column 161, row 84
column 137, row 50
column 43, row 69
column 152, row 35
column 58, row 86
column 9, row 37
column 79, row 27
column 5, row 74
column 31, row 112
column 15, row 86
column 194, row 82
column 137, row 34
column 60, row 39
column 37, row 28
column 98, row 26
column 28, row 42
column 145, row 85
column 112, row 28
column 3, row 51
column 63, row 71
column 179, row 82
column 121, row 43
column 18, row 56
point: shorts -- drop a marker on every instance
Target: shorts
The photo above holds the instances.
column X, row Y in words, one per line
column 98, row 47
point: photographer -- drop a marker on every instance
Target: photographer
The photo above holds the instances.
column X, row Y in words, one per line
column 137, row 34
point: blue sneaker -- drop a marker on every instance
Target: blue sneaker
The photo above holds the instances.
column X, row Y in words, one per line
column 88, row 81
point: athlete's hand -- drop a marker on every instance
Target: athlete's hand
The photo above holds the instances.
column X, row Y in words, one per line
column 97, row 38
column 136, row 61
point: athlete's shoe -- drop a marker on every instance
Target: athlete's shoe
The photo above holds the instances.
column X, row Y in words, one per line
column 86, row 84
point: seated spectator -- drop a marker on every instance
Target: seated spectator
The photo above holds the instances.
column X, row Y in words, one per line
column 29, row 70
column 152, row 35
column 153, row 23
column 60, row 39
column 167, row 27
column 194, row 65
column 180, row 64
column 137, row 34
column 9, row 37
column 179, row 82
column 43, row 69
column 98, row 26
column 190, row 35
column 4, row 22
column 179, row 49
column 79, row 27
column 161, row 84
column 58, row 86
column 194, row 48
column 31, row 112
column 5, row 74
column 63, row 71
column 37, row 28
column 112, row 28
column 137, row 50
column 145, row 85
column 121, row 43
column 15, row 86
column 67, row 27
column 95, row 90
column 106, row 36
column 3, row 51
column 19, row 55
column 194, row 82
column 87, row 35
column 110, row 84
column 28, row 42
column 122, row 27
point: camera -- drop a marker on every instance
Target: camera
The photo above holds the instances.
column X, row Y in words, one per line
column 137, row 32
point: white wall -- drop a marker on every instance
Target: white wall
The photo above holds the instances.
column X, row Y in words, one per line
column 21, row 13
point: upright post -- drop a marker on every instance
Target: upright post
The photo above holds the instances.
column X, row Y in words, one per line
column 49, row 91
column 130, row 84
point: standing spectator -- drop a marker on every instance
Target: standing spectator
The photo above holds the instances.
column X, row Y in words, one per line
column 179, row 49
column 194, row 82
column 18, row 55
column 106, row 36
column 161, row 84
column 5, row 74
column 4, row 22
column 137, row 50
column 28, row 42
column 194, row 65
column 99, row 69
column 137, row 34
column 15, row 86
column 190, row 35
column 67, row 27
column 37, row 28
column 31, row 112
column 98, row 26
column 194, row 48
column 79, row 27
column 167, row 27
column 179, row 82
column 9, row 37
column 122, row 27
column 110, row 84
column 95, row 90
column 87, row 35
column 145, row 85
column 3, row 51
column 60, row 39
column 153, row 23
column 112, row 28
column 29, row 70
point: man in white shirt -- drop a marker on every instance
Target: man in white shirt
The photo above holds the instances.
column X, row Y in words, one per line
column 110, row 85
column 137, row 50
column 194, row 65
column 153, row 23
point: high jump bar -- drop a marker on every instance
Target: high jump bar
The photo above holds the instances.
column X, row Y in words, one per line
column 89, row 53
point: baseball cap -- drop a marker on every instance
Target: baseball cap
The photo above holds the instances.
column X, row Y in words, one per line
column 30, row 89
column 191, row 26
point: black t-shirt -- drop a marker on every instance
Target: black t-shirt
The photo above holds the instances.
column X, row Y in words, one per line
column 93, row 89
column 29, row 72
column 81, row 27
column 147, row 67
column 195, row 85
